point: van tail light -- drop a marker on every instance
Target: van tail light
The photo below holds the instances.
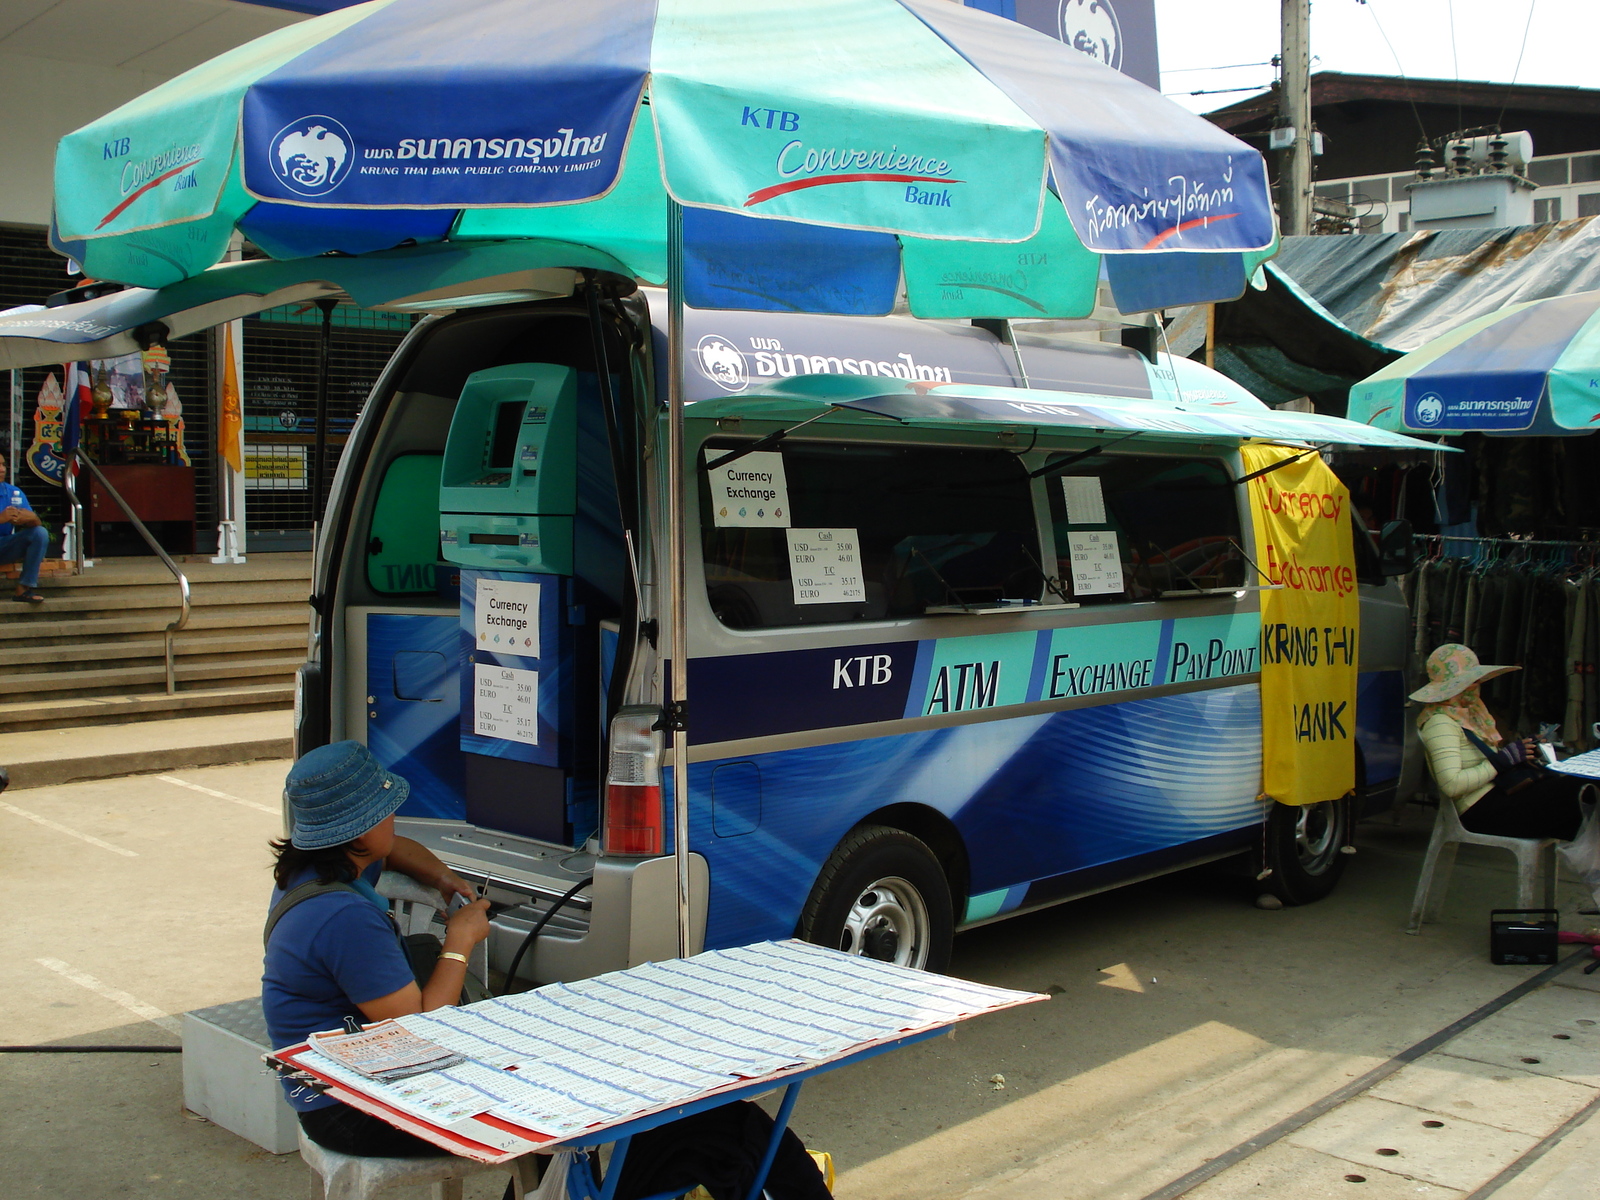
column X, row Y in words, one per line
column 633, row 817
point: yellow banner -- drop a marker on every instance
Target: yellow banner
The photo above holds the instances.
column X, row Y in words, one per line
column 230, row 416
column 1309, row 629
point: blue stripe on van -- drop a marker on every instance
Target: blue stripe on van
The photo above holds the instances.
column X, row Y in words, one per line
column 1041, row 664
column 919, row 677
column 1163, row 652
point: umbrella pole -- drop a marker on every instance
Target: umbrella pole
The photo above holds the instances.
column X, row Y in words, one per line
column 319, row 452
column 676, row 721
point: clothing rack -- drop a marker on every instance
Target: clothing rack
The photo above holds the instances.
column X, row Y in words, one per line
column 1533, row 601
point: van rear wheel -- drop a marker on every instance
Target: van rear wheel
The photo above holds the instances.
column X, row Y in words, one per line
column 883, row 895
column 1304, row 846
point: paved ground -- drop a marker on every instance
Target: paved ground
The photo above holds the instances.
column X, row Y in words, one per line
column 1183, row 1021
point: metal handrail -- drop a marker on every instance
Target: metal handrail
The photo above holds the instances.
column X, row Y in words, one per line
column 166, row 560
column 77, row 530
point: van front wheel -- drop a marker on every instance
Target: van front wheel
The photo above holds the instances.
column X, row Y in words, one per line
column 882, row 895
column 1304, row 846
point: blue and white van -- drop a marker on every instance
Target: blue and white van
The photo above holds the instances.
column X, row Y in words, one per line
column 913, row 709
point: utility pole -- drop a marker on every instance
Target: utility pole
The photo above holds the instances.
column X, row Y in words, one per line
column 1294, row 112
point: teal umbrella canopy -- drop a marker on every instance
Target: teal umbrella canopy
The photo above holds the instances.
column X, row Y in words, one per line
column 823, row 150
column 1166, row 415
column 1531, row 368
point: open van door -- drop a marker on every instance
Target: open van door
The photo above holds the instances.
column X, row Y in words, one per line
column 419, row 279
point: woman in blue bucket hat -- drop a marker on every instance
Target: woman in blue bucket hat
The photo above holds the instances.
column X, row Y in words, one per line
column 332, row 953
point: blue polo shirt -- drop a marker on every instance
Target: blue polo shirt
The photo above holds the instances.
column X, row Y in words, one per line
column 328, row 955
column 11, row 496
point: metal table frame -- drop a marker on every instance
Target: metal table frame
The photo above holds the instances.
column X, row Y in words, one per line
column 582, row 1183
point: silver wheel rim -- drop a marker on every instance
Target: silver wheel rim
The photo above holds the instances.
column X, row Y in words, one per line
column 1316, row 835
column 888, row 921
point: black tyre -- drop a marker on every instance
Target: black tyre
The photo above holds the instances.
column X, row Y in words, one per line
column 883, row 895
column 1304, row 847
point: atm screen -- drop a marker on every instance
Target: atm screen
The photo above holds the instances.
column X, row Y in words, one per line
column 507, row 420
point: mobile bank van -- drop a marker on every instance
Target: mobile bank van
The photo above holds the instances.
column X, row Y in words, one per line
column 970, row 619
column 958, row 647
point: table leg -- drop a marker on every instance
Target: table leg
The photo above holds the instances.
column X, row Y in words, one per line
column 780, row 1125
column 583, row 1185
column 581, row 1182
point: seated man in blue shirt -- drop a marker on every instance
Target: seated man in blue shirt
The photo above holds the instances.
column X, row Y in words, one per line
column 23, row 538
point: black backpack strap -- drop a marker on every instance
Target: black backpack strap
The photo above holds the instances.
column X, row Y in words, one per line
column 299, row 895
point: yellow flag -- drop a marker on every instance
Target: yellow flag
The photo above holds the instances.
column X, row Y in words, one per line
column 230, row 420
column 1310, row 627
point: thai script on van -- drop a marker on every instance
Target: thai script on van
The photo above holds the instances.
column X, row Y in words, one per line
column 732, row 369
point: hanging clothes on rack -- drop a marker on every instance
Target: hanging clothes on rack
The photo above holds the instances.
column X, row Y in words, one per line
column 1527, row 602
column 1484, row 626
column 1577, row 597
column 1544, row 655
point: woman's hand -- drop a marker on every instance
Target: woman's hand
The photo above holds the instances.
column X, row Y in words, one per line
column 466, row 927
column 1514, row 754
column 450, row 884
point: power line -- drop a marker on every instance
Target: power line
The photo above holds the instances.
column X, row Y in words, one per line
column 1229, row 67
column 1260, row 87
column 1421, row 128
column 1455, row 61
column 1526, row 29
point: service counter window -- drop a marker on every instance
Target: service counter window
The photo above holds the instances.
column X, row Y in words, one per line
column 824, row 532
column 1141, row 528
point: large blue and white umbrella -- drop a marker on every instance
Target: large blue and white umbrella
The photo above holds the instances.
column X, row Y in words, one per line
column 858, row 132
column 1529, row 368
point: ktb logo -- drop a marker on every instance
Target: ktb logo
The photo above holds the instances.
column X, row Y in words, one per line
column 770, row 118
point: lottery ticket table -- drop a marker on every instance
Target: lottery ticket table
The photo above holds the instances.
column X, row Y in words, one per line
column 572, row 1067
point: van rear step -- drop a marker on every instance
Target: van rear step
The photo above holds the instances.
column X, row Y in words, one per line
column 510, row 928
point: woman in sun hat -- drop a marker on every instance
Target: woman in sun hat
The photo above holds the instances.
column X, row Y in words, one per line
column 332, row 952
column 1494, row 784
column 335, row 955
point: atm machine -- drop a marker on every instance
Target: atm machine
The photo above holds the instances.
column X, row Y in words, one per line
column 508, row 499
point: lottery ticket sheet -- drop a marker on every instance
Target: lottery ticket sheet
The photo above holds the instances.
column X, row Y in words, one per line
column 565, row 1059
column 1584, row 766
column 385, row 1051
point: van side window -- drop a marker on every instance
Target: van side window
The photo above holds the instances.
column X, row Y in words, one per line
column 933, row 526
column 1174, row 521
column 403, row 543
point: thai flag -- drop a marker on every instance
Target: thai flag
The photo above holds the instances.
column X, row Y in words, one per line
column 76, row 404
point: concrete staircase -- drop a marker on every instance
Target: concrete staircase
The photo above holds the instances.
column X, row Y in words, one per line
column 93, row 652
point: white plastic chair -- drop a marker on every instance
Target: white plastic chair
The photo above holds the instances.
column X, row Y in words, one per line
column 338, row 1176
column 1535, row 857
